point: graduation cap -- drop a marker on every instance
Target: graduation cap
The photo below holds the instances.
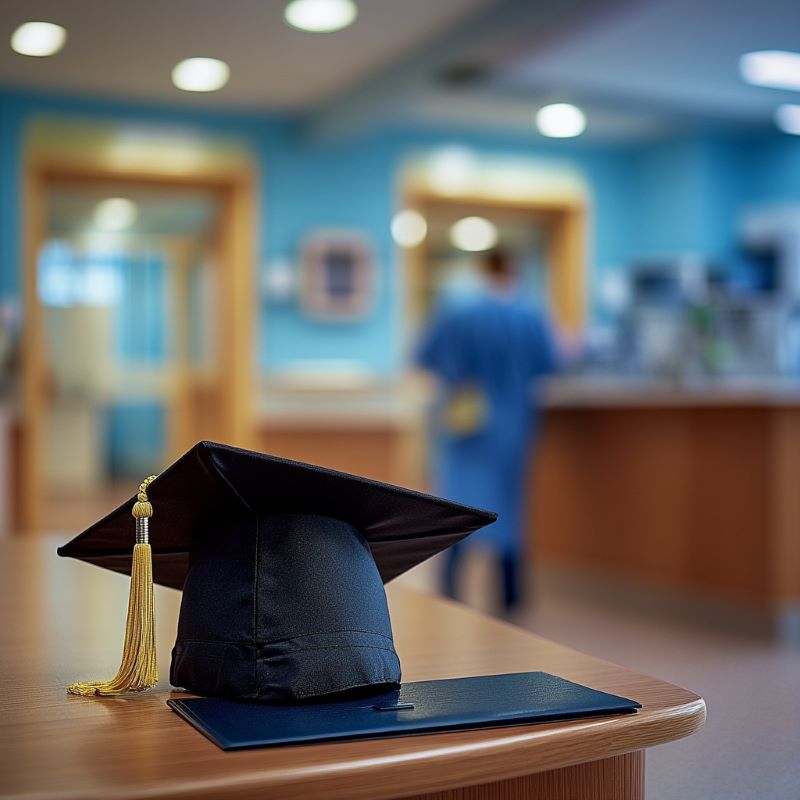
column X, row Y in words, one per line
column 282, row 566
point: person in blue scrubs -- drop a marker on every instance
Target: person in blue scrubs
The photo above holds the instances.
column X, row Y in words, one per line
column 487, row 354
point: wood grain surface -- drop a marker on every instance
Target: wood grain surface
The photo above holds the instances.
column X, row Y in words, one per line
column 699, row 500
column 62, row 620
column 615, row 778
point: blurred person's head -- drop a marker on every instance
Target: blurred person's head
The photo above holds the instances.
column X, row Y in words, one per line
column 499, row 269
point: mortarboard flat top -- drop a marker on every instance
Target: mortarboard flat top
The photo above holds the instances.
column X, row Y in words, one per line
column 401, row 526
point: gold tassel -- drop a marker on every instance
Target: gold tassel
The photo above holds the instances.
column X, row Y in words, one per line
column 139, row 668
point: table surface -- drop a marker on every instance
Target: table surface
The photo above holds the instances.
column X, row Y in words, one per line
column 62, row 620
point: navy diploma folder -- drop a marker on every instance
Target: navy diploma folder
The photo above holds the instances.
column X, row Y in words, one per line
column 489, row 701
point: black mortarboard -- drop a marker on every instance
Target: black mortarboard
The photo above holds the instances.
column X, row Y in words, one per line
column 282, row 566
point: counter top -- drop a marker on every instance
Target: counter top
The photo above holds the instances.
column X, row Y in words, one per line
column 61, row 620
column 603, row 391
column 368, row 408
column 401, row 403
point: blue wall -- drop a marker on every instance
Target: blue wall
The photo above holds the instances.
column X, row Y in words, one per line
column 775, row 176
column 345, row 185
column 662, row 198
column 687, row 194
column 352, row 183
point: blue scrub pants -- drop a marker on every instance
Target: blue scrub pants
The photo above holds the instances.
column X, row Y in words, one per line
column 510, row 569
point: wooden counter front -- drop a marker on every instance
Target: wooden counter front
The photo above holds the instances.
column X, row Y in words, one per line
column 61, row 620
column 701, row 499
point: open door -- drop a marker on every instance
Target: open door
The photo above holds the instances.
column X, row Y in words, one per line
column 138, row 320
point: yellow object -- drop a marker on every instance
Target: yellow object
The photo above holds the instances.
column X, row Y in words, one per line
column 465, row 412
column 139, row 668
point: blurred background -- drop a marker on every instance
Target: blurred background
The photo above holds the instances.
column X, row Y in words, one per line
column 238, row 221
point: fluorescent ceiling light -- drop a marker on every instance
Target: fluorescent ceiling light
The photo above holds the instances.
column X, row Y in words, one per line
column 409, row 228
column 201, row 74
column 115, row 214
column 777, row 69
column 787, row 118
column 320, row 16
column 560, row 121
column 473, row 234
column 38, row 39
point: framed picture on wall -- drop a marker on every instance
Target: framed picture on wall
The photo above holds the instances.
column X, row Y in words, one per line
column 337, row 269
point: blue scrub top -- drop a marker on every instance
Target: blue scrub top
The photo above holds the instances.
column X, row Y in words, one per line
column 498, row 345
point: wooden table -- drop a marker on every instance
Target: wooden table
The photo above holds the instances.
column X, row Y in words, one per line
column 61, row 620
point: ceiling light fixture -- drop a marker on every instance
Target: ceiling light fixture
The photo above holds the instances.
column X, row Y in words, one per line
column 560, row 121
column 409, row 228
column 451, row 170
column 776, row 69
column 115, row 214
column 200, row 74
column 320, row 16
column 473, row 234
column 38, row 39
column 787, row 118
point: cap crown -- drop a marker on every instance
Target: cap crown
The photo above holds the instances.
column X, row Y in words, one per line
column 283, row 608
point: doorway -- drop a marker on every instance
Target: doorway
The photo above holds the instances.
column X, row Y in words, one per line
column 546, row 239
column 138, row 319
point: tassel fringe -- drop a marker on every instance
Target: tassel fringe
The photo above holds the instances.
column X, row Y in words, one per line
column 139, row 668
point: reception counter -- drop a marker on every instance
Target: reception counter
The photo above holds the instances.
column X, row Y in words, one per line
column 686, row 488
column 691, row 489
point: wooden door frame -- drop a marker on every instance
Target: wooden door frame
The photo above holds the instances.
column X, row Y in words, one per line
column 567, row 220
column 235, row 240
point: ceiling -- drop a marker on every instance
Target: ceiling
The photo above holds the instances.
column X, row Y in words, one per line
column 639, row 67
column 128, row 49
column 679, row 56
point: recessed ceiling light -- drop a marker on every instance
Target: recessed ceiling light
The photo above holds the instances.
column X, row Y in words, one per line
column 409, row 228
column 787, row 118
column 201, row 74
column 452, row 169
column 320, row 16
column 560, row 121
column 473, row 234
column 38, row 39
column 115, row 214
column 777, row 69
